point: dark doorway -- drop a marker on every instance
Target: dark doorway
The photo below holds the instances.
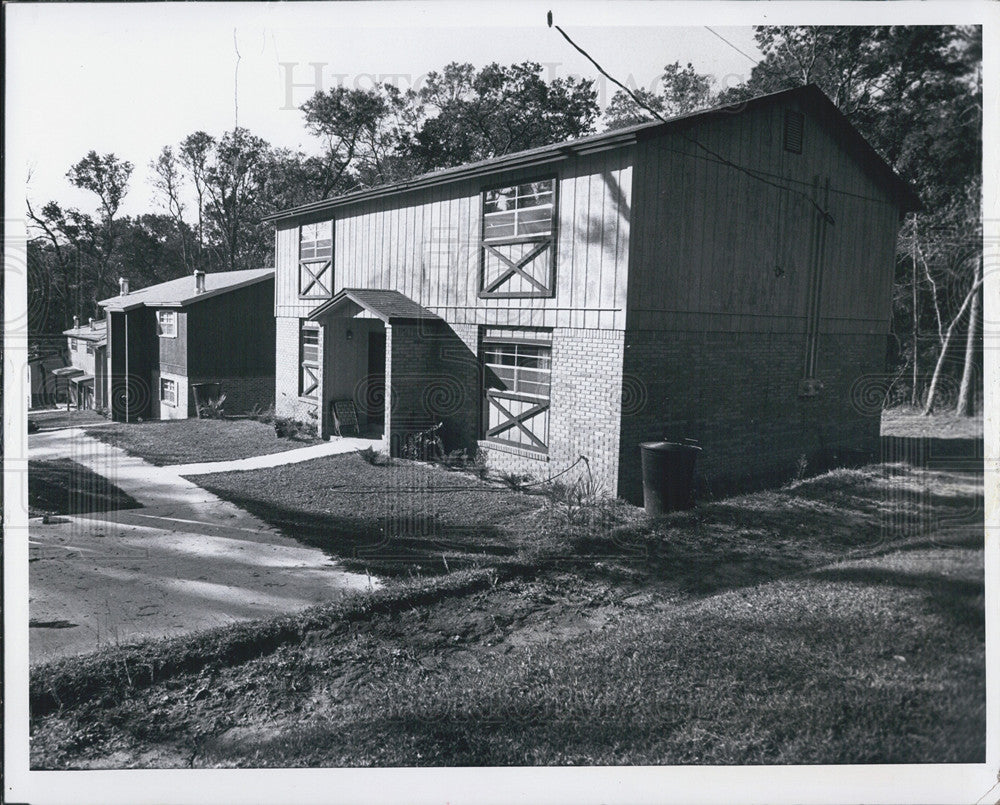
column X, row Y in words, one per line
column 376, row 380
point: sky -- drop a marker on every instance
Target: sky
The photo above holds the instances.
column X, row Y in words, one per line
column 131, row 78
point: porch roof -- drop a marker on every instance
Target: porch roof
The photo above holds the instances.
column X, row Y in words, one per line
column 67, row 371
column 389, row 306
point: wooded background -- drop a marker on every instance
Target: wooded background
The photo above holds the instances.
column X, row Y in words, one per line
column 915, row 93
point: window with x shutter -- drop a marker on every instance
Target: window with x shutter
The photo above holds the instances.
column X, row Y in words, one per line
column 316, row 260
column 517, row 371
column 518, row 239
column 308, row 360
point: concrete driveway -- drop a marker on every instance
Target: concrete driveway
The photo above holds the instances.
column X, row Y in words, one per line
column 185, row 561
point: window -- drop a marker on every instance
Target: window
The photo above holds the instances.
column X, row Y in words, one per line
column 168, row 391
column 167, row 322
column 308, row 360
column 794, row 122
column 523, row 210
column 519, row 236
column 91, row 349
column 517, row 370
column 73, row 344
column 316, row 260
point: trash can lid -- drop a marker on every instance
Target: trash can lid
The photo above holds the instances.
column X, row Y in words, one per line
column 667, row 447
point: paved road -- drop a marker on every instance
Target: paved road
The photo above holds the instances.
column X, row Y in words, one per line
column 185, row 561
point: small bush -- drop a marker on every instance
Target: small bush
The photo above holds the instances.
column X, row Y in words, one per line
column 515, row 481
column 265, row 415
column 214, row 408
column 286, row 428
column 375, row 457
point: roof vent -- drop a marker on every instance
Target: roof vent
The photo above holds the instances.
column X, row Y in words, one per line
column 199, row 281
column 794, row 122
column 122, row 286
column 76, row 322
column 92, row 323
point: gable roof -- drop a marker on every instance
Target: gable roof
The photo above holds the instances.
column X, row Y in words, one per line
column 98, row 333
column 181, row 291
column 809, row 94
column 389, row 306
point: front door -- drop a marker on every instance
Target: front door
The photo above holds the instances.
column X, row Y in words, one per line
column 376, row 391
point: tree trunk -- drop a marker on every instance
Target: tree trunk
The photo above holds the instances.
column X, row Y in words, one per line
column 966, row 396
column 946, row 341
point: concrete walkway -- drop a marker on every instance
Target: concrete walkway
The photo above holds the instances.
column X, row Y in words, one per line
column 186, row 561
column 335, row 446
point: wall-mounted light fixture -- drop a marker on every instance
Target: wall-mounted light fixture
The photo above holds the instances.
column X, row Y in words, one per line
column 349, row 334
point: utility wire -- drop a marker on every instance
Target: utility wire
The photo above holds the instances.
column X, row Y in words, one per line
column 753, row 175
column 741, row 52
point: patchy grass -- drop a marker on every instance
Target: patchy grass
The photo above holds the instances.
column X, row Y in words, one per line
column 909, row 422
column 62, row 486
column 395, row 519
column 838, row 620
column 188, row 441
column 876, row 661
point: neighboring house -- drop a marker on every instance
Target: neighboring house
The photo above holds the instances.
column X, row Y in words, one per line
column 46, row 387
column 85, row 377
column 725, row 276
column 210, row 333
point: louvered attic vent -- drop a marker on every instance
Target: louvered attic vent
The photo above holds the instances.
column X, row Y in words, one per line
column 793, row 131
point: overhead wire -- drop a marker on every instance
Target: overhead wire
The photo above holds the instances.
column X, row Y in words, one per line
column 728, row 162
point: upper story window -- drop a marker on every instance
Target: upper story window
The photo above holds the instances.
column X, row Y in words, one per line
column 316, row 260
column 166, row 321
column 91, row 348
column 72, row 344
column 518, row 245
column 519, row 211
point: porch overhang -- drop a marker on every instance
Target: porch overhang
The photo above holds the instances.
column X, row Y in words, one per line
column 389, row 306
column 67, row 371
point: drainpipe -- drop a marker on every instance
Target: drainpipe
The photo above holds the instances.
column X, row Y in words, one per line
column 125, row 314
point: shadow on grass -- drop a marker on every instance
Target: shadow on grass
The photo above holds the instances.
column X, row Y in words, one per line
column 62, row 486
column 959, row 599
column 390, row 545
column 957, row 454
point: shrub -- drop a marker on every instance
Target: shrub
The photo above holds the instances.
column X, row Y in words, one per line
column 214, row 408
column 515, row 481
column 286, row 427
column 375, row 457
column 265, row 415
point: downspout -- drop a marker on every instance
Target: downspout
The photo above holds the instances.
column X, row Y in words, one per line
column 125, row 314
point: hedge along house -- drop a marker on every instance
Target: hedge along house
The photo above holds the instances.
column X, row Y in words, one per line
column 213, row 333
column 86, row 374
column 723, row 276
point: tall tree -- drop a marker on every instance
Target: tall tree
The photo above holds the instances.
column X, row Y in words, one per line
column 194, row 153
column 468, row 115
column 682, row 90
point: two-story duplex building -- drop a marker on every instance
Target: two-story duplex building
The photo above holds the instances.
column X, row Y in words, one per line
column 84, row 377
column 724, row 276
column 211, row 333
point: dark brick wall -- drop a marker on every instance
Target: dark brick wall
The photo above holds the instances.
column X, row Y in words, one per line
column 738, row 395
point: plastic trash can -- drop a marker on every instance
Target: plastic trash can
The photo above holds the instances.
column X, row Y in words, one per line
column 667, row 476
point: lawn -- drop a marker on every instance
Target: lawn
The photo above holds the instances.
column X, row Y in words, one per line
column 188, row 441
column 62, row 486
column 909, row 422
column 839, row 620
column 403, row 518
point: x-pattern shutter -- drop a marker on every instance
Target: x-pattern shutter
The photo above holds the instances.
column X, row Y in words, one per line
column 314, row 279
column 517, row 383
column 518, row 269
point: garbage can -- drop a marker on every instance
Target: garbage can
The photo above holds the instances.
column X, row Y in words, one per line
column 667, row 476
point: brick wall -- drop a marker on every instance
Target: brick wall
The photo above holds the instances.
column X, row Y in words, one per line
column 243, row 394
column 286, row 376
column 737, row 394
column 432, row 377
column 585, row 408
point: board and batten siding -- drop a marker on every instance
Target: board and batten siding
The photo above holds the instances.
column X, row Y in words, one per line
column 715, row 249
column 426, row 244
